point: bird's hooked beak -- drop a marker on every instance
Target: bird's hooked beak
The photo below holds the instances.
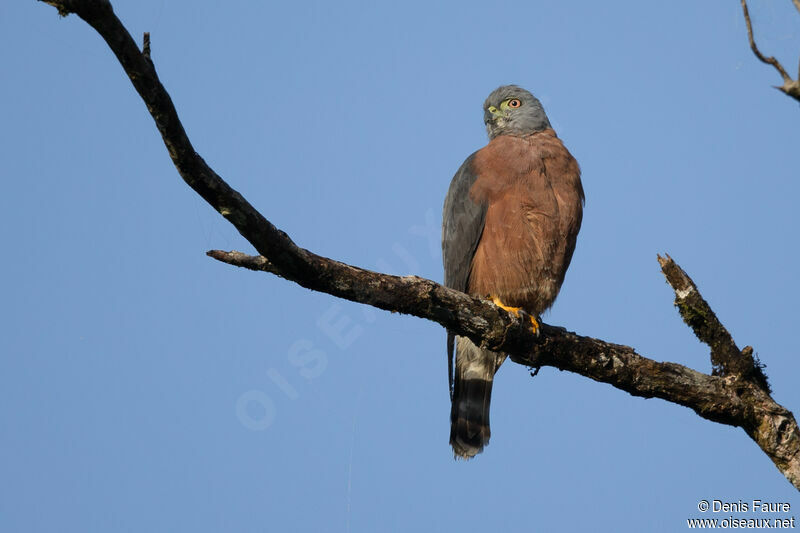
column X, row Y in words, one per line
column 492, row 115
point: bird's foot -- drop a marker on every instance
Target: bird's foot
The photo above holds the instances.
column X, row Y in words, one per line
column 501, row 305
column 516, row 311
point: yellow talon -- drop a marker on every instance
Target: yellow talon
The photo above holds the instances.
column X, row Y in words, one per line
column 500, row 304
column 534, row 323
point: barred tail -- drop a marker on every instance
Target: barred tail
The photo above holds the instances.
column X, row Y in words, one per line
column 472, row 392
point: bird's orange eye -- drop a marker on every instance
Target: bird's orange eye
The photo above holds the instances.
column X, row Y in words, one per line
column 514, row 103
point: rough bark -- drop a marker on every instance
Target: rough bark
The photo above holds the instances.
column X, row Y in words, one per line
column 726, row 358
column 738, row 396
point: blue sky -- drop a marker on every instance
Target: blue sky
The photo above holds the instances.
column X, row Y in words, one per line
column 145, row 387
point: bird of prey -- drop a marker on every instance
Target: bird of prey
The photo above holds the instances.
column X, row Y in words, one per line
column 510, row 223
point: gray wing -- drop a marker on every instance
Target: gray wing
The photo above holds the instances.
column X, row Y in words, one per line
column 462, row 226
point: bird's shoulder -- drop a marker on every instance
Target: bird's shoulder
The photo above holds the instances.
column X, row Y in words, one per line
column 462, row 182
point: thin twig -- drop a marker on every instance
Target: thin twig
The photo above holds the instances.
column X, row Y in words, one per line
column 790, row 87
column 768, row 60
column 146, row 45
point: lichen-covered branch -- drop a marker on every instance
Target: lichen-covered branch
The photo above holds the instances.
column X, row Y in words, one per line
column 790, row 87
column 726, row 358
column 730, row 399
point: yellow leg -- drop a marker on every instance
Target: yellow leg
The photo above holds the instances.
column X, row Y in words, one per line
column 500, row 304
column 516, row 310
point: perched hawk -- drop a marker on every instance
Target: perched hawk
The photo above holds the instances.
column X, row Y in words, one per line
column 510, row 222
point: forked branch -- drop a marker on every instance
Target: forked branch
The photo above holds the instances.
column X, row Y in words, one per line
column 737, row 396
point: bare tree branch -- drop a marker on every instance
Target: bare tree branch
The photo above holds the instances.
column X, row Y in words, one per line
column 736, row 398
column 726, row 358
column 789, row 87
column 768, row 60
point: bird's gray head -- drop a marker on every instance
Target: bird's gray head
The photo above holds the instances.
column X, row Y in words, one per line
column 511, row 110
